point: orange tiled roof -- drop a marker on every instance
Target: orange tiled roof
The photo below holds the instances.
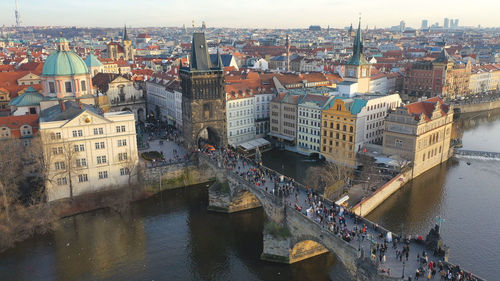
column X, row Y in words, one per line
column 426, row 108
column 14, row 123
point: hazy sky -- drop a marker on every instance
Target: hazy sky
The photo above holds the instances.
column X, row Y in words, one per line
column 249, row 13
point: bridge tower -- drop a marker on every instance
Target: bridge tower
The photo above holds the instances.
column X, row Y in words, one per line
column 203, row 98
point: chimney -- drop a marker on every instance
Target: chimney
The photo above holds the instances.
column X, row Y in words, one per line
column 62, row 105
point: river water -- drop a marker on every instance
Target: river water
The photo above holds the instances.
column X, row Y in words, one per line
column 173, row 237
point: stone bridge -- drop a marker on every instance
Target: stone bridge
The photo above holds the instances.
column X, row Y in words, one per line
column 289, row 236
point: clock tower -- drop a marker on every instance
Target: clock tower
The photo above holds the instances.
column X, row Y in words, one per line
column 358, row 69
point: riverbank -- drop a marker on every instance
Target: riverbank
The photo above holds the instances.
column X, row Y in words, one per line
column 478, row 107
column 43, row 216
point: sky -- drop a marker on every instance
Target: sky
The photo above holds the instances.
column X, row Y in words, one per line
column 248, row 13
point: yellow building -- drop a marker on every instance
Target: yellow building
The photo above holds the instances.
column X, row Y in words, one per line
column 420, row 132
column 338, row 127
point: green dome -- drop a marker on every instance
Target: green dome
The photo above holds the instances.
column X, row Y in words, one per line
column 64, row 63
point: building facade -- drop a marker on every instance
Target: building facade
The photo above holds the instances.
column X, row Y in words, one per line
column 86, row 150
column 420, row 132
column 309, row 123
column 283, row 119
column 338, row 130
column 240, row 117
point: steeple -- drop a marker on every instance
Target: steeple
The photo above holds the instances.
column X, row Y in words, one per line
column 125, row 35
column 220, row 64
column 357, row 49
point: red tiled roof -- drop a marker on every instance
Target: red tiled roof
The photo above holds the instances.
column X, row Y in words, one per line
column 16, row 122
column 426, row 108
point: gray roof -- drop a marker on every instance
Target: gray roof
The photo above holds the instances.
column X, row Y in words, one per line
column 72, row 109
column 199, row 50
column 31, row 97
column 226, row 59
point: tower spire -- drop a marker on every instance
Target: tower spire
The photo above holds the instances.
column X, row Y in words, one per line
column 125, row 35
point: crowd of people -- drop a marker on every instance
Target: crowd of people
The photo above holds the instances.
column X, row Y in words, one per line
column 337, row 219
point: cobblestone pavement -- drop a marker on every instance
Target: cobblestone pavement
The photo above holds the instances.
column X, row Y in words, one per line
column 335, row 218
column 173, row 152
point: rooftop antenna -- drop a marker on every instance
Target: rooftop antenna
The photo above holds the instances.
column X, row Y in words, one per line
column 18, row 15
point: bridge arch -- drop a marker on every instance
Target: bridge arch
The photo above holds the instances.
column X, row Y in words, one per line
column 304, row 247
column 208, row 135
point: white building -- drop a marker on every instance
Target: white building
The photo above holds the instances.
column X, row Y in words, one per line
column 240, row 117
column 370, row 120
column 87, row 151
column 261, row 115
column 123, row 95
column 309, row 123
column 164, row 97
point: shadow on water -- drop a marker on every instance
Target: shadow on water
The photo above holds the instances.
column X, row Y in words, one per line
column 170, row 236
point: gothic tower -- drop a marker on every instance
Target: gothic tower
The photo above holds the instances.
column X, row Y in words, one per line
column 203, row 98
column 127, row 45
column 358, row 69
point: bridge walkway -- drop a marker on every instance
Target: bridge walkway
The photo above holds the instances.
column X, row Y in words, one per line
column 246, row 169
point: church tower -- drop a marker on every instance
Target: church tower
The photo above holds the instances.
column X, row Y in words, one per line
column 127, row 46
column 203, row 98
column 358, row 69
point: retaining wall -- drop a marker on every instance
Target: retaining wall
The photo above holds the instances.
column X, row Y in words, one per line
column 380, row 195
column 478, row 107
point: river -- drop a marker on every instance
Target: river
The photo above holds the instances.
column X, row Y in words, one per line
column 172, row 236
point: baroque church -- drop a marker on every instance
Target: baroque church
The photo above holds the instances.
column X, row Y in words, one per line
column 124, row 51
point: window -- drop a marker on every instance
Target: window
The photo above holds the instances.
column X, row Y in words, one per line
column 68, row 87
column 124, row 171
column 52, row 87
column 62, row 181
column 122, row 142
column 77, row 133
column 399, row 143
column 99, row 145
column 57, row 150
column 60, row 165
column 58, row 136
column 103, row 175
column 98, row 131
column 120, row 129
column 83, row 178
column 101, row 159
column 84, row 86
column 81, row 162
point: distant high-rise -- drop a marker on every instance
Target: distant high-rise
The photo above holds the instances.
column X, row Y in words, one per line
column 446, row 23
column 456, row 23
column 402, row 26
column 18, row 15
column 425, row 24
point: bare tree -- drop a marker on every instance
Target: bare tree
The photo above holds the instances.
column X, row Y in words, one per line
column 329, row 178
column 22, row 212
column 60, row 160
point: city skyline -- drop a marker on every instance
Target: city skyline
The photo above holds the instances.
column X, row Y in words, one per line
column 216, row 13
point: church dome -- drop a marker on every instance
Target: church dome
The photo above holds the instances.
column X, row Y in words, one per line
column 64, row 62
